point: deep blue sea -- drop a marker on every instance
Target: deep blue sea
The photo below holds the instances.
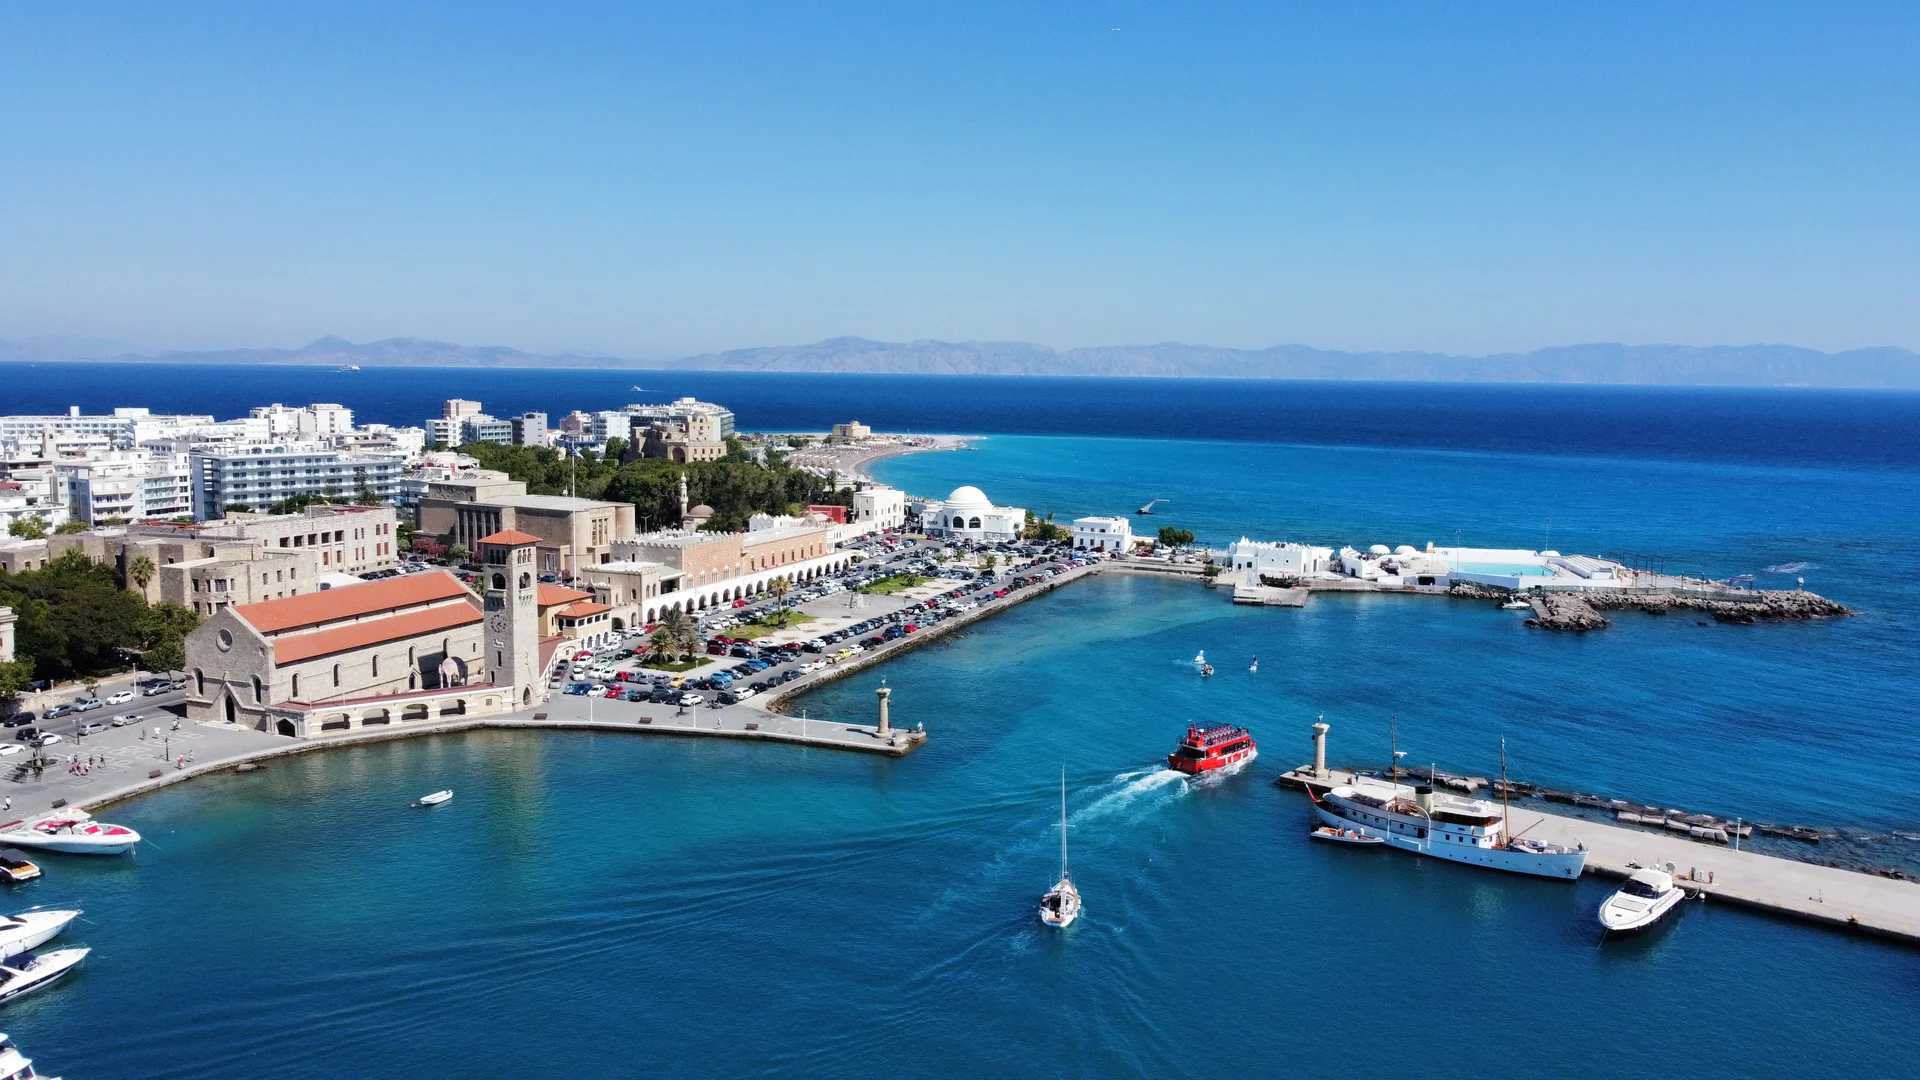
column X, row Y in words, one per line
column 601, row 906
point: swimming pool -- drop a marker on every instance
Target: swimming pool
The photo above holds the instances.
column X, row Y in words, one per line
column 1504, row 569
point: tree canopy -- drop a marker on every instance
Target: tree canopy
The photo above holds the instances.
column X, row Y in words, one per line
column 736, row 486
column 1172, row 537
column 76, row 619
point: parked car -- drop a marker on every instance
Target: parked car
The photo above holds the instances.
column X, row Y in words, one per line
column 87, row 704
column 125, row 719
column 47, row 739
column 156, row 689
column 688, row 701
column 21, row 719
column 91, row 727
column 26, row 734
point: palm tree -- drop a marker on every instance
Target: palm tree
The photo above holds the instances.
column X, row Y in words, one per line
column 780, row 587
column 140, row 571
column 675, row 636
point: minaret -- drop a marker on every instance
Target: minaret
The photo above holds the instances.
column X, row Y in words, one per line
column 683, row 500
column 512, row 634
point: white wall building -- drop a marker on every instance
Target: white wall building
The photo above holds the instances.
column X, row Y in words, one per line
column 1278, row 559
column 969, row 515
column 127, row 484
column 318, row 421
column 1102, row 534
column 258, row 476
column 876, row 508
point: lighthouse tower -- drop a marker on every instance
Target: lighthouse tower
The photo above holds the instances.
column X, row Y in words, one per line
column 512, row 614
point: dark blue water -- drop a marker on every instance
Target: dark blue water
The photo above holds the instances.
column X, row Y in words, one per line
column 1851, row 428
column 601, row 906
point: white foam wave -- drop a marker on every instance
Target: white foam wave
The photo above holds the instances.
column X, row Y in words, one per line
column 1790, row 568
column 1133, row 788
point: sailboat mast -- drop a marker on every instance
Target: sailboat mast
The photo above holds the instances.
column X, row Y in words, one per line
column 1506, row 809
column 1063, row 822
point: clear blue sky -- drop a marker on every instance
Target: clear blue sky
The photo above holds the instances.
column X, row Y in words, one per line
column 658, row 178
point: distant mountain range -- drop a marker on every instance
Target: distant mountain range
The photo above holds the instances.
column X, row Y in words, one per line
column 1664, row 365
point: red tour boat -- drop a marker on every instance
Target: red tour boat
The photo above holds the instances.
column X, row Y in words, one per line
column 1207, row 748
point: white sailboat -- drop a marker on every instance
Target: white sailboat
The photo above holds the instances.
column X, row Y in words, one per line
column 1200, row 657
column 1061, row 905
column 1255, row 666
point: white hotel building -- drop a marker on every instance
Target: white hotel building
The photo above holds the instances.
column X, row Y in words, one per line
column 1110, row 534
column 969, row 515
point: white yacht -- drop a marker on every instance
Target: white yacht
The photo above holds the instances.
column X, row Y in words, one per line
column 1061, row 904
column 1644, row 900
column 435, row 799
column 1444, row 826
column 71, row 831
column 28, row 972
column 16, row 1066
column 21, row 932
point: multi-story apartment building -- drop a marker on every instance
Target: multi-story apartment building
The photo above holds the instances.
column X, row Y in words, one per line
column 127, row 485
column 257, row 476
column 310, row 422
column 679, row 412
column 127, row 428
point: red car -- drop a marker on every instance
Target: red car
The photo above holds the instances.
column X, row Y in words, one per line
column 612, row 692
column 909, row 628
column 621, row 676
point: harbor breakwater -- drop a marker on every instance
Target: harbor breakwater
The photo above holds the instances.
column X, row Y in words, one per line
column 1582, row 610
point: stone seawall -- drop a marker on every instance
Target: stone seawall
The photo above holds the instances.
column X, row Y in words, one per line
column 1568, row 610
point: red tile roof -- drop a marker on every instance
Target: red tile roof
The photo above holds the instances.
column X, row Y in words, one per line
column 293, row 648
column 351, row 601
column 550, row 595
column 510, row 538
column 583, row 609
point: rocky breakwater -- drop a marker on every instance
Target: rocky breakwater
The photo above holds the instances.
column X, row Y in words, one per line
column 1565, row 611
column 1737, row 606
column 1582, row 610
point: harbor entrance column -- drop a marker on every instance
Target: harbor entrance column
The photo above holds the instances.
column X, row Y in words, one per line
column 1320, row 750
column 883, row 693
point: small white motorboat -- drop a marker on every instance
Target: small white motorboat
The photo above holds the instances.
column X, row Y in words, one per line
column 1644, row 900
column 28, row 972
column 1061, row 904
column 72, row 831
column 1516, row 605
column 19, row 933
column 1199, row 658
column 436, row 798
column 1345, row 836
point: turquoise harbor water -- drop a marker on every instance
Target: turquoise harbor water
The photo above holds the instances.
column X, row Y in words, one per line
column 613, row 906
column 602, row 906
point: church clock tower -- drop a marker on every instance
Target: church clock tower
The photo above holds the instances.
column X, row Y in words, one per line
column 512, row 614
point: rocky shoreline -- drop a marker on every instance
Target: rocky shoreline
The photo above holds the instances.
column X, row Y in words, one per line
column 1581, row 611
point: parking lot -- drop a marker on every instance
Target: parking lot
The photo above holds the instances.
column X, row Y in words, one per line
column 844, row 624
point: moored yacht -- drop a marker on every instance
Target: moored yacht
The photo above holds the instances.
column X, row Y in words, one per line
column 1449, row 827
column 1644, row 900
column 16, row 1066
column 28, row 972
column 21, row 932
column 71, row 831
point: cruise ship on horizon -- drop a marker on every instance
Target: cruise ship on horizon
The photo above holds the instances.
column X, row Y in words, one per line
column 1413, row 818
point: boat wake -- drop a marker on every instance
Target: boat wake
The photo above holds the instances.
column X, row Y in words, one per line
column 1789, row 568
column 1143, row 788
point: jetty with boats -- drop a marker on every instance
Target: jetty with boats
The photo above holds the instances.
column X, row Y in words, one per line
column 1883, row 906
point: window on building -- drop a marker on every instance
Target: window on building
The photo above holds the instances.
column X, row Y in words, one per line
column 336, row 675
column 259, row 695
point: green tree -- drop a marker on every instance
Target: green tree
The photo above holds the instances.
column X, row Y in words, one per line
column 141, row 571
column 69, row 528
column 366, row 498
column 779, row 587
column 458, row 553
column 15, row 677
column 238, row 508
column 616, row 447
column 674, row 636
column 1172, row 537
column 27, row 527
column 166, row 656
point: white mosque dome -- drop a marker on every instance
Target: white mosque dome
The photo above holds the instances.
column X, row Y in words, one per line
column 968, row 498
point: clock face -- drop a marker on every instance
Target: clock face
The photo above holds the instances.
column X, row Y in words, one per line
column 499, row 621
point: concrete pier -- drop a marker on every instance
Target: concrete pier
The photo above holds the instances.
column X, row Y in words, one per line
column 1824, row 894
